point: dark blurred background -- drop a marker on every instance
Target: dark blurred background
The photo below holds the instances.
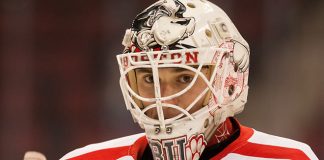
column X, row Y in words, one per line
column 59, row 86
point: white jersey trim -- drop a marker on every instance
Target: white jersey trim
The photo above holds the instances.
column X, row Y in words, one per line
column 126, row 158
column 267, row 139
column 120, row 142
column 234, row 156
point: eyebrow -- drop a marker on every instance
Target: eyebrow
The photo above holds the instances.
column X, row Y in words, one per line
column 183, row 69
column 178, row 69
column 143, row 70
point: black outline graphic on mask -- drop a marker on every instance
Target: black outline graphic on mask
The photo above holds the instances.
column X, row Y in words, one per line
column 146, row 19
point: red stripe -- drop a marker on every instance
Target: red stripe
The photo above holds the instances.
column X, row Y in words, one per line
column 111, row 153
column 243, row 147
column 137, row 149
column 245, row 134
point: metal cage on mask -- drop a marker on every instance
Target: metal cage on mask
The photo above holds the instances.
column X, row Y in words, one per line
column 217, row 58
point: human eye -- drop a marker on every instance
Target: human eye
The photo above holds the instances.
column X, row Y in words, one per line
column 148, row 78
column 185, row 78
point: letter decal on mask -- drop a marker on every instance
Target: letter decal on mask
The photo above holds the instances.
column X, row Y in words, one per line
column 156, row 150
column 170, row 149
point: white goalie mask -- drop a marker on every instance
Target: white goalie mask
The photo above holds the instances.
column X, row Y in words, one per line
column 184, row 70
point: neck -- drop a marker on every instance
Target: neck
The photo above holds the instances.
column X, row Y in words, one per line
column 223, row 132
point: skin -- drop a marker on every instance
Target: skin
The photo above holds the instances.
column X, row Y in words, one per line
column 172, row 80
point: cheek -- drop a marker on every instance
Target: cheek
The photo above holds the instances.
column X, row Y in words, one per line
column 145, row 91
column 197, row 88
column 192, row 94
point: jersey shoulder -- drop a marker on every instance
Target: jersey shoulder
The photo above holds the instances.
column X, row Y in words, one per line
column 112, row 149
column 269, row 146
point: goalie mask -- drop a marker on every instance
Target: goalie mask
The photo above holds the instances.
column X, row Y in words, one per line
column 184, row 70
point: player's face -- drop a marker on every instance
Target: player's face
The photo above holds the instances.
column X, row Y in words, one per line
column 172, row 81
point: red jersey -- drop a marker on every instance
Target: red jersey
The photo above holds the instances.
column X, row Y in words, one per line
column 249, row 145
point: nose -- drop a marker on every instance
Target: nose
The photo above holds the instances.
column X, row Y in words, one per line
column 168, row 90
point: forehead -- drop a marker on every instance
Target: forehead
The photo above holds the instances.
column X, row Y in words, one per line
column 169, row 70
